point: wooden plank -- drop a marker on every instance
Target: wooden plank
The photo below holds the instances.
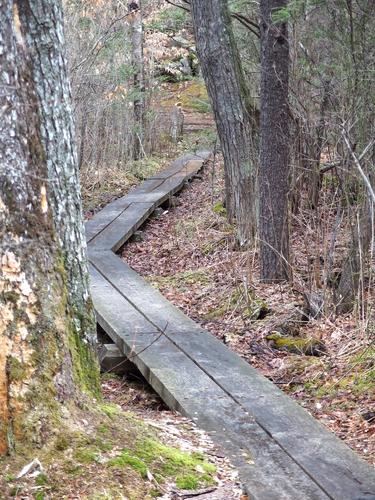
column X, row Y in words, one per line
column 111, row 211
column 147, row 186
column 294, row 456
column 179, row 164
column 103, row 218
column 167, row 188
column 267, row 470
column 153, row 191
column 120, row 230
column 320, row 453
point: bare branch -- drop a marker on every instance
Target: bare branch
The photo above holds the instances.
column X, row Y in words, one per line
column 357, row 162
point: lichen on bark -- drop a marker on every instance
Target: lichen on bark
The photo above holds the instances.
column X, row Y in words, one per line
column 44, row 299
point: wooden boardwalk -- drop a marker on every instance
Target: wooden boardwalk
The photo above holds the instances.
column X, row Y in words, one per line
column 280, row 450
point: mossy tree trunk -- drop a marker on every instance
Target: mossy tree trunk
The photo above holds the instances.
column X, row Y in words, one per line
column 234, row 115
column 47, row 324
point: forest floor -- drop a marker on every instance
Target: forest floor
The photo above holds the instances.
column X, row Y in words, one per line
column 131, row 447
column 189, row 253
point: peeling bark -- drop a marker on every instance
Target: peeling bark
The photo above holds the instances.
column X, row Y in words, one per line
column 46, row 318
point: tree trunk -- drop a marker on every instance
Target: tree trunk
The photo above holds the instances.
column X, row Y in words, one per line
column 135, row 20
column 274, row 149
column 233, row 112
column 355, row 262
column 316, row 177
column 46, row 316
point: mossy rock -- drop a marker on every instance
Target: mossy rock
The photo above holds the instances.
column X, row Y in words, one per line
column 296, row 345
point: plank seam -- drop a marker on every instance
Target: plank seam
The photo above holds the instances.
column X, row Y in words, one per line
column 214, row 380
column 109, row 223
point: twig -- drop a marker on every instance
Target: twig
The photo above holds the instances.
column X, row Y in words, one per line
column 357, row 161
column 100, row 39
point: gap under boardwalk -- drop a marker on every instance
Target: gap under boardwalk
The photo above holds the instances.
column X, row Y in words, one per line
column 280, row 450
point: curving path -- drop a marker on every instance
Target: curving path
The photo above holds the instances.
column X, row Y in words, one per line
column 280, row 450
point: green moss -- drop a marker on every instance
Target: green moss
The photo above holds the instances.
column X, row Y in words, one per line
column 183, row 279
column 250, row 307
column 86, row 455
column 155, row 493
column 195, row 97
column 127, row 458
column 85, row 365
column 103, row 445
column 61, row 443
column 15, row 368
column 296, row 345
column 256, row 309
column 41, row 480
column 111, row 410
column 164, row 461
column 219, row 208
column 103, row 429
column 187, row 482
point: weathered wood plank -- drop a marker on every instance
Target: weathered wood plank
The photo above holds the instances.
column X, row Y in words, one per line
column 103, row 218
column 147, row 186
column 318, row 451
column 120, row 230
column 270, row 473
column 154, row 191
column 179, row 164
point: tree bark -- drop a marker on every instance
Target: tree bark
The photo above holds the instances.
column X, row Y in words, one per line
column 355, row 261
column 136, row 25
column 235, row 116
column 274, row 149
column 46, row 316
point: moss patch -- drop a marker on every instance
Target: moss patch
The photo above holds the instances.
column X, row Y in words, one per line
column 296, row 345
column 195, row 97
column 108, row 438
column 85, row 365
column 166, row 462
column 15, row 369
column 182, row 280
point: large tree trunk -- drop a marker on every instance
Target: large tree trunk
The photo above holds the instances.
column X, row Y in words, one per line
column 136, row 25
column 46, row 316
column 233, row 112
column 274, row 149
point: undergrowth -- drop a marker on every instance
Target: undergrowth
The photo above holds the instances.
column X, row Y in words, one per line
column 127, row 454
